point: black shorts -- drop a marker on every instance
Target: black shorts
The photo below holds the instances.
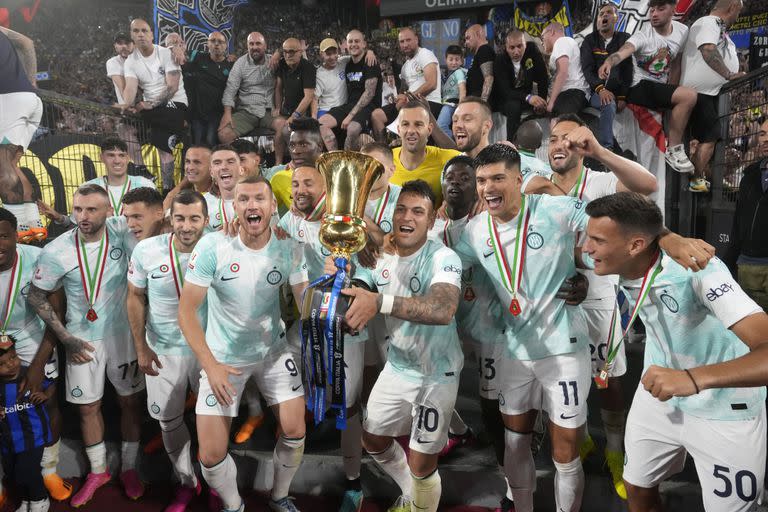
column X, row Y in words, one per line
column 705, row 122
column 391, row 111
column 570, row 101
column 363, row 116
column 167, row 125
column 653, row 95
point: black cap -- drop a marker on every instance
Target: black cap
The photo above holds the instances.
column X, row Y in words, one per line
column 122, row 38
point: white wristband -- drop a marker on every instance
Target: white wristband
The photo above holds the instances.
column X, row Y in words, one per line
column 387, row 302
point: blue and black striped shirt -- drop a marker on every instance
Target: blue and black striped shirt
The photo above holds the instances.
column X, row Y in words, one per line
column 25, row 426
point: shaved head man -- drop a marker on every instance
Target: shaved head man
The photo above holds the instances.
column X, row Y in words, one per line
column 207, row 74
column 480, row 74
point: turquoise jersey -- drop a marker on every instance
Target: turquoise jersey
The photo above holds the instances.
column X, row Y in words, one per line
column 24, row 324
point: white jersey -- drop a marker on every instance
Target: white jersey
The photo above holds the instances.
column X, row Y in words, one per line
column 479, row 316
column 545, row 326
column 307, row 234
column 151, row 71
column 244, row 324
column 530, row 164
column 115, row 68
column 154, row 268
column 654, row 53
column 23, row 323
column 696, row 73
column 569, row 48
column 58, row 266
column 412, row 73
column 419, row 352
column 382, row 210
column 688, row 316
column 219, row 210
column 117, row 192
column 331, row 86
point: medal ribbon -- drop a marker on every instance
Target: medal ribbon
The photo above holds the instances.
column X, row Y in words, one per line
column 581, row 183
column 117, row 206
column 178, row 277
column 381, row 206
column 510, row 280
column 317, row 211
column 654, row 269
column 13, row 291
column 223, row 212
column 447, row 234
column 92, row 285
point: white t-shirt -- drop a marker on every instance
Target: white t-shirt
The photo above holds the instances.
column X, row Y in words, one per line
column 331, row 86
column 115, row 68
column 150, row 72
column 568, row 47
column 412, row 72
column 654, row 53
column 695, row 72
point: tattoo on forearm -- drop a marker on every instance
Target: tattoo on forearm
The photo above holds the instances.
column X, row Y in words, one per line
column 366, row 97
column 613, row 59
column 715, row 61
column 487, row 87
column 435, row 308
column 38, row 299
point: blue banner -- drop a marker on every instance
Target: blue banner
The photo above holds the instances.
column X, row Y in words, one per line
column 194, row 20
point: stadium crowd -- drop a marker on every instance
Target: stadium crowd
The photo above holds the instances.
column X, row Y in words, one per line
column 501, row 228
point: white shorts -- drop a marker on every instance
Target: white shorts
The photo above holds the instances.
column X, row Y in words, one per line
column 377, row 344
column 598, row 323
column 116, row 358
column 167, row 392
column 558, row 385
column 398, row 406
column 27, row 352
column 729, row 455
column 278, row 380
column 20, row 114
column 489, row 358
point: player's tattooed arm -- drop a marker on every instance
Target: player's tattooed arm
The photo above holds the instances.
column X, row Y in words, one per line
column 77, row 349
column 435, row 308
column 365, row 98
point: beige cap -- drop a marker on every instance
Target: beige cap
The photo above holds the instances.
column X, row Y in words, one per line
column 328, row 43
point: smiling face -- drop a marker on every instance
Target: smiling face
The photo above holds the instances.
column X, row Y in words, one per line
column 254, row 205
column 91, row 212
column 355, row 44
column 116, row 162
column 197, row 165
column 500, row 187
column 7, row 244
column 225, row 169
column 414, row 128
column 562, row 158
column 188, row 222
column 307, row 186
column 470, row 126
column 459, row 187
column 414, row 216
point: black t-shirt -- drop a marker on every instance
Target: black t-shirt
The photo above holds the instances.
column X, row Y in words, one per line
column 205, row 81
column 357, row 74
column 13, row 78
column 475, row 75
column 294, row 83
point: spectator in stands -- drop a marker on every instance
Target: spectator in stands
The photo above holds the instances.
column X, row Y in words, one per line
column 115, row 71
column 569, row 89
column 164, row 100
column 249, row 96
column 330, row 83
column 515, row 70
column 363, row 96
column 454, row 86
column 415, row 160
column 420, row 75
column 608, row 95
column 709, row 62
column 205, row 76
column 250, row 158
column 748, row 253
column 480, row 74
column 294, row 92
column 656, row 51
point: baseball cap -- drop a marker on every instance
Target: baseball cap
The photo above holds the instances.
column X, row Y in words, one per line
column 122, row 38
column 328, row 43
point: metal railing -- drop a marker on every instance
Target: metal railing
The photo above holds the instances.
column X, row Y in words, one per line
column 65, row 152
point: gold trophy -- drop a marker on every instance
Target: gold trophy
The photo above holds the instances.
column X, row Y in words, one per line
column 349, row 177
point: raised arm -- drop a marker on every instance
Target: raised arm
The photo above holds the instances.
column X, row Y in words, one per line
column 25, row 48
